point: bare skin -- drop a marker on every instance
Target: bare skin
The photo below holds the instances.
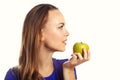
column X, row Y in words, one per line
column 53, row 35
column 76, row 59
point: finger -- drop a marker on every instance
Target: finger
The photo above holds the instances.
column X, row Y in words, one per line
column 88, row 57
column 73, row 60
column 79, row 56
column 85, row 53
column 74, row 57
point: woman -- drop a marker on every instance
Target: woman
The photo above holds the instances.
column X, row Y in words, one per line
column 43, row 34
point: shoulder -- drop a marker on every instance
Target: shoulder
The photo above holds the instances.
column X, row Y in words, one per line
column 59, row 62
column 58, row 65
column 12, row 74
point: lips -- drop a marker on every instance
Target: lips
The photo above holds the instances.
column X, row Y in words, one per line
column 64, row 42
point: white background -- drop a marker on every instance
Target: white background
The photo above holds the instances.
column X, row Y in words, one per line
column 95, row 22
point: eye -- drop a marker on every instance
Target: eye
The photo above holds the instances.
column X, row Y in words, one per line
column 61, row 26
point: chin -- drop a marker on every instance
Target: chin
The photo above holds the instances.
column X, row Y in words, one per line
column 62, row 50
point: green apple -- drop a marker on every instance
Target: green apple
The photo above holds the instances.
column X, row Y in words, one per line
column 78, row 46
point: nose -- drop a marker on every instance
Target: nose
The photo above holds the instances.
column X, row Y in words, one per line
column 67, row 33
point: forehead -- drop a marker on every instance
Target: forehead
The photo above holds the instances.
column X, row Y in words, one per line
column 55, row 16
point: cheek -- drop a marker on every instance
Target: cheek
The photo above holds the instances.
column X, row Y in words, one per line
column 55, row 36
column 53, row 40
column 51, row 35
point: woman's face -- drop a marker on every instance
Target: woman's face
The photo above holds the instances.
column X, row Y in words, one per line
column 54, row 35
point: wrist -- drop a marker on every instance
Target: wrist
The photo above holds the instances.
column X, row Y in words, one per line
column 68, row 73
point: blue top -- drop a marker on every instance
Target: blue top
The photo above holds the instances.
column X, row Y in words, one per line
column 57, row 74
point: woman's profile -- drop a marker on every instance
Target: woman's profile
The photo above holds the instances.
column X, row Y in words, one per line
column 44, row 33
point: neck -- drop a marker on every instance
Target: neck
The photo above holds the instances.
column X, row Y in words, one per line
column 45, row 57
column 45, row 62
column 46, row 65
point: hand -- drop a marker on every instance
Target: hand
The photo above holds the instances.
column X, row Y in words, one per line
column 77, row 59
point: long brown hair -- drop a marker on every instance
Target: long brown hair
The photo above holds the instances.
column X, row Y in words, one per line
column 28, row 61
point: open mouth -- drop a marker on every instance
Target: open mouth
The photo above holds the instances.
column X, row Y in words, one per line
column 65, row 42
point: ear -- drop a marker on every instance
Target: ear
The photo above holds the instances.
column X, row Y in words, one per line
column 42, row 35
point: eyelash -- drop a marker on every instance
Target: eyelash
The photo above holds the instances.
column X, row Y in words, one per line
column 61, row 27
